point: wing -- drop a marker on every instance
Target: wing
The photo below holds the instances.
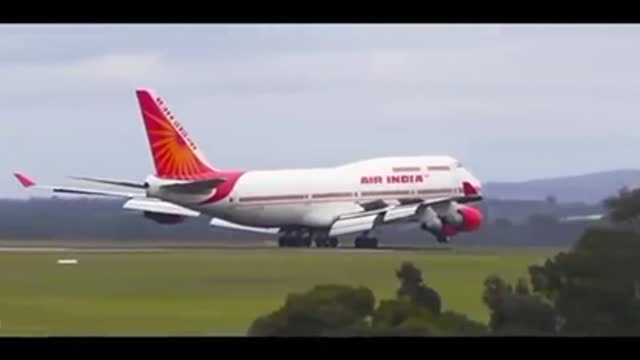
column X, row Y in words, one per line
column 374, row 213
column 402, row 212
column 215, row 222
column 28, row 183
column 367, row 220
column 159, row 207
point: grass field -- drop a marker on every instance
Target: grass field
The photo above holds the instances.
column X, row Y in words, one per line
column 218, row 292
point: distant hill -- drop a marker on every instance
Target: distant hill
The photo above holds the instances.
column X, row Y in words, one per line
column 587, row 188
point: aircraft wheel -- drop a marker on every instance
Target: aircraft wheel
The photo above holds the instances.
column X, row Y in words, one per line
column 333, row 242
column 293, row 241
column 366, row 243
column 321, row 241
column 305, row 241
column 283, row 241
column 371, row 243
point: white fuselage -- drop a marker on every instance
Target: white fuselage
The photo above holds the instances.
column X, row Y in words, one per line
column 315, row 197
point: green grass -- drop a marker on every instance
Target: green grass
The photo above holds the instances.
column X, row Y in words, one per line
column 218, row 292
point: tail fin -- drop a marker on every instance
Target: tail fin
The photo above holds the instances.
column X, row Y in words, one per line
column 175, row 156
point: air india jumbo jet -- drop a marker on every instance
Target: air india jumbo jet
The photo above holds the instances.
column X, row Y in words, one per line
column 301, row 206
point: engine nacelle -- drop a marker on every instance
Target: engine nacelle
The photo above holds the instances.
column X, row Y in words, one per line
column 456, row 218
column 463, row 218
column 471, row 218
column 164, row 218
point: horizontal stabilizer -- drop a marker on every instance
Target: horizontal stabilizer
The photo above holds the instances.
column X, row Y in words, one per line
column 158, row 206
column 27, row 182
column 195, row 187
column 81, row 191
column 111, row 182
column 232, row 226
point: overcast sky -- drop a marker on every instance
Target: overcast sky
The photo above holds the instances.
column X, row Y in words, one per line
column 512, row 102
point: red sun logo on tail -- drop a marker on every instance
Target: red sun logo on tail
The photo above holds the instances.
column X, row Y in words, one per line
column 175, row 156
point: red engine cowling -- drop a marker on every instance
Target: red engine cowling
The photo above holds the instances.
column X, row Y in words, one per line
column 471, row 218
column 460, row 218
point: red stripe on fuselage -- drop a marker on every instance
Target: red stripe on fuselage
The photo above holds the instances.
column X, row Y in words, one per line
column 273, row 197
column 332, row 195
column 386, row 192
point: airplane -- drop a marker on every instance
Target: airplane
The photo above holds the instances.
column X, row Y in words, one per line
column 302, row 206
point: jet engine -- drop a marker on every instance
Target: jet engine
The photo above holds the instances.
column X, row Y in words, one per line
column 454, row 219
column 464, row 218
column 164, row 218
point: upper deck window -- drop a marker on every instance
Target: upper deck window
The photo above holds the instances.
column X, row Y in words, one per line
column 438, row 168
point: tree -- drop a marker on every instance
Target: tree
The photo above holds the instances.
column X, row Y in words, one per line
column 625, row 207
column 326, row 310
column 402, row 318
column 522, row 288
column 517, row 312
column 340, row 310
column 551, row 200
column 593, row 286
column 413, row 288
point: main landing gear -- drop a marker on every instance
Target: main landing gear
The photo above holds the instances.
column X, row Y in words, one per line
column 306, row 239
column 327, row 242
column 293, row 241
column 366, row 241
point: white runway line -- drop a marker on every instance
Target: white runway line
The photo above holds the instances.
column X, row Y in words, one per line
column 67, row 261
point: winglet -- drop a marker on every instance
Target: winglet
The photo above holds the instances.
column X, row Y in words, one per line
column 24, row 180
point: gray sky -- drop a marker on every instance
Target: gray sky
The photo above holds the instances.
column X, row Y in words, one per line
column 512, row 102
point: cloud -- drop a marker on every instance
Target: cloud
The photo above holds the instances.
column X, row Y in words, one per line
column 491, row 94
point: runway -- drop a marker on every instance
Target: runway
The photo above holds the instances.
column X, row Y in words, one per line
column 175, row 248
